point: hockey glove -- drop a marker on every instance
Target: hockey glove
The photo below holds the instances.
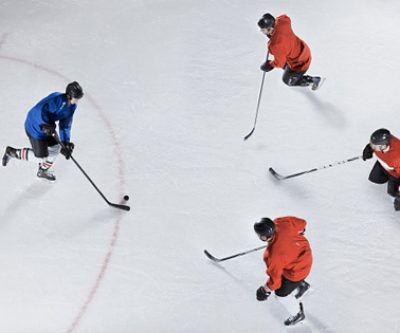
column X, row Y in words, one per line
column 266, row 66
column 67, row 149
column 262, row 294
column 396, row 203
column 48, row 129
column 367, row 152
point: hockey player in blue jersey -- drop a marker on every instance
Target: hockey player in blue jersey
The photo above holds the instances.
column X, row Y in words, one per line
column 40, row 127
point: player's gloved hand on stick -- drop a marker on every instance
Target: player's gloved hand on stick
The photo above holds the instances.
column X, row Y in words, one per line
column 266, row 66
column 262, row 294
column 367, row 152
column 67, row 149
column 48, row 129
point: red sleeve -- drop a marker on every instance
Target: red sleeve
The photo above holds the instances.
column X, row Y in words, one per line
column 274, row 271
column 280, row 53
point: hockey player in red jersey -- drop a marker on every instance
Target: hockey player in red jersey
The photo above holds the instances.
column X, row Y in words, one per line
column 386, row 148
column 289, row 51
column 289, row 259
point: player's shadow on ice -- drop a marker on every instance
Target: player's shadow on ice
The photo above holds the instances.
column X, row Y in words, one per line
column 238, row 281
column 330, row 112
column 103, row 216
column 33, row 192
column 318, row 324
column 293, row 188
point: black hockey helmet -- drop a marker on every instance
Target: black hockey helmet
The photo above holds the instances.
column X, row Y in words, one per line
column 265, row 227
column 74, row 90
column 267, row 21
column 381, row 137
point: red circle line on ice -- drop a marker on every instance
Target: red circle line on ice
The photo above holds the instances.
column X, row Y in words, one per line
column 105, row 263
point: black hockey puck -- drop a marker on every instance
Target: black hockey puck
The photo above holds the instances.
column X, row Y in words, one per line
column 126, row 197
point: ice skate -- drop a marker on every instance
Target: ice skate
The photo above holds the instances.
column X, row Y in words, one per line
column 9, row 153
column 302, row 289
column 46, row 175
column 293, row 320
column 396, row 203
column 317, row 82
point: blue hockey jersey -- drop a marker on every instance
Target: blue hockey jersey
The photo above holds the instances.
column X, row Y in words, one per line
column 50, row 109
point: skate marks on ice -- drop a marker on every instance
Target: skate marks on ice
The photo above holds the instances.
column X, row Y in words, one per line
column 331, row 113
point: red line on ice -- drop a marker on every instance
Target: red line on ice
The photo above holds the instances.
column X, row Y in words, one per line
column 93, row 290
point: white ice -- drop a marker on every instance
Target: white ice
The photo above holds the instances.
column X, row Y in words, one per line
column 171, row 90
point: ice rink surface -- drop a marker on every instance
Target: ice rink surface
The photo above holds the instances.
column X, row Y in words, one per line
column 170, row 91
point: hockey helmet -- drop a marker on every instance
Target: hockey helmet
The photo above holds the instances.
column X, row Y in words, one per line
column 265, row 227
column 74, row 90
column 381, row 137
column 267, row 21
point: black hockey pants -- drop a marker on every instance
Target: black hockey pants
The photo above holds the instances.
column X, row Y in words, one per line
column 287, row 287
column 293, row 79
column 379, row 175
column 41, row 147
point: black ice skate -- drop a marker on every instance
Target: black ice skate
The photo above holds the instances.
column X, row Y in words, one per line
column 317, row 82
column 293, row 320
column 302, row 289
column 396, row 203
column 46, row 175
column 9, row 153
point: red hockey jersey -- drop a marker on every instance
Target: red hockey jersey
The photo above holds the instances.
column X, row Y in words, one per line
column 289, row 253
column 287, row 48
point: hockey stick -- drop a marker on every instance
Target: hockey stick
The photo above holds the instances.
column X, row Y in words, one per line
column 258, row 104
column 211, row 257
column 119, row 206
column 280, row 177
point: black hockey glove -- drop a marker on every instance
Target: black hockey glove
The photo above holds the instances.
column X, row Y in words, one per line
column 262, row 294
column 48, row 129
column 396, row 203
column 67, row 149
column 266, row 66
column 367, row 152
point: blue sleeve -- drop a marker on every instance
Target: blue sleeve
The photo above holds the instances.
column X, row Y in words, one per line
column 65, row 128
